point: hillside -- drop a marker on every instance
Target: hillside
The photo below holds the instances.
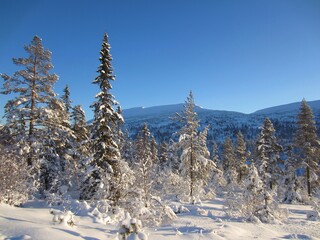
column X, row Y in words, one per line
column 222, row 123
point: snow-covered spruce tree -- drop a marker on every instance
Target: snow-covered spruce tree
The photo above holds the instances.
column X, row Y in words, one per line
column 212, row 176
column 81, row 148
column 127, row 150
column 28, row 111
column 144, row 203
column 251, row 203
column 169, row 183
column 81, row 131
column 145, row 167
column 195, row 163
column 241, row 157
column 252, row 194
column 268, row 159
column 290, row 182
column 269, row 172
column 154, row 150
column 173, row 156
column 245, row 203
column 163, row 155
column 229, row 162
column 215, row 153
column 104, row 173
column 307, row 142
column 66, row 99
column 56, row 154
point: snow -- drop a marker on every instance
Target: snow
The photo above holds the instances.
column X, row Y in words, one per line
column 205, row 221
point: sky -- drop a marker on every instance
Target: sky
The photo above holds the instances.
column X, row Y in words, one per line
column 234, row 55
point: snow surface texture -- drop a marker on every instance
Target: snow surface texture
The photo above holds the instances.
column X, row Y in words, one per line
column 205, row 221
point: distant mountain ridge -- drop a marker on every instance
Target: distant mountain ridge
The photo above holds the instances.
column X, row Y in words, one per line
column 172, row 108
column 291, row 107
column 222, row 123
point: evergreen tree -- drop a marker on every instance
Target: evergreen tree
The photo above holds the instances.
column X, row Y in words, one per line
column 308, row 144
column 66, row 99
column 173, row 158
column 144, row 164
column 79, row 124
column 241, row 156
column 253, row 203
column 33, row 89
column 154, row 150
column 58, row 167
column 163, row 155
column 188, row 134
column 127, row 150
column 82, row 149
column 269, row 170
column 215, row 154
column 103, row 179
column 290, row 179
column 195, row 163
column 229, row 162
column 268, row 159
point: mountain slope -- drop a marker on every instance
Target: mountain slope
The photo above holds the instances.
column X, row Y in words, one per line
column 291, row 107
column 222, row 123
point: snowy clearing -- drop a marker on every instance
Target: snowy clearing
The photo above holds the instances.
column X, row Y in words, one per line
column 207, row 221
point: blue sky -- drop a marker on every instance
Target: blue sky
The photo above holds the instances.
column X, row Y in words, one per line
column 234, row 55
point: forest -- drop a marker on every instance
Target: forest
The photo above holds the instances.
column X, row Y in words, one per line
column 49, row 151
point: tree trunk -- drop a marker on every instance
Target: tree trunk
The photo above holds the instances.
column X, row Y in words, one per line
column 308, row 180
column 32, row 113
column 191, row 169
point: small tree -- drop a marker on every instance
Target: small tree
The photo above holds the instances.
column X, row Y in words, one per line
column 144, row 164
column 268, row 155
column 14, row 187
column 229, row 162
column 195, row 163
column 241, row 157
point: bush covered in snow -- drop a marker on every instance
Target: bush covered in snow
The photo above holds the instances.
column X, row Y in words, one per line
column 14, row 175
column 254, row 204
column 131, row 229
column 63, row 217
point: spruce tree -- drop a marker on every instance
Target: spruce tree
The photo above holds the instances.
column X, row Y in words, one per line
column 195, row 165
column 102, row 182
column 144, row 164
column 188, row 135
column 241, row 156
column 163, row 155
column 229, row 162
column 307, row 143
column 268, row 151
column 66, row 99
column 268, row 162
column 57, row 165
column 215, row 153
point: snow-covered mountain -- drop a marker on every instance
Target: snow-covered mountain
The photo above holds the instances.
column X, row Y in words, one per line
column 291, row 107
column 222, row 123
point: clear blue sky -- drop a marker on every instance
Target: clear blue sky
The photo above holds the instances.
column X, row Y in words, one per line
column 234, row 55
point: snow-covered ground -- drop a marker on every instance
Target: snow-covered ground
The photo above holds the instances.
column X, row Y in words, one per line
column 205, row 221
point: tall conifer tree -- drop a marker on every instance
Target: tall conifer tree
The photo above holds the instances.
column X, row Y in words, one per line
column 308, row 144
column 102, row 182
column 33, row 86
